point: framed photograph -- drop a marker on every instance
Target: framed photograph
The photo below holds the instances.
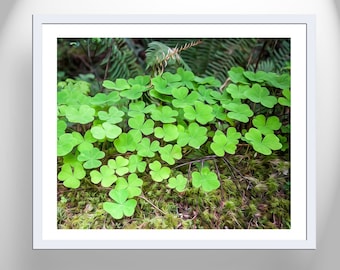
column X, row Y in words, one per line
column 174, row 132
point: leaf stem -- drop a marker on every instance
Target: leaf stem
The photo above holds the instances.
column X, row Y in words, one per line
column 147, row 200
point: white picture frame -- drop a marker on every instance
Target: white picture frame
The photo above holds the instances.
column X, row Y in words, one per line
column 301, row 31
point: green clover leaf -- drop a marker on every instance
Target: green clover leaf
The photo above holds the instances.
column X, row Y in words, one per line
column 83, row 115
column 136, row 164
column 194, row 136
column 285, row 101
column 106, row 176
column 127, row 141
column 138, row 123
column 187, row 77
column 140, row 80
column 205, row 95
column 168, row 132
column 237, row 91
column 71, row 175
column 258, row 76
column 119, row 164
column 91, row 158
column 122, row 207
column 264, row 146
column 61, row 127
column 210, row 80
column 266, row 126
column 205, row 179
column 106, row 130
column 105, row 100
column 236, row 75
column 164, row 114
column 222, row 143
column 182, row 98
column 279, row 81
column 114, row 115
column 132, row 185
column 261, row 95
column 170, row 152
column 240, row 112
column 202, row 113
column 159, row 173
column 161, row 85
column 147, row 149
column 138, row 108
column 179, row 183
column 135, row 92
column 65, row 144
column 119, row 84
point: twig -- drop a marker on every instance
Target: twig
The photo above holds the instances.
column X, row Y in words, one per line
column 195, row 161
column 144, row 198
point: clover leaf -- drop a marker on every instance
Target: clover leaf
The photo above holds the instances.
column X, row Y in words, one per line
column 71, row 175
column 140, row 80
column 187, row 77
column 258, row 76
column 266, row 126
column 106, row 176
column 91, row 158
column 194, row 136
column 170, row 152
column 205, row 95
column 83, row 115
column 219, row 112
column 101, row 99
column 157, row 172
column 114, row 115
column 205, row 179
column 168, row 132
column 237, row 91
column 240, row 112
column 259, row 94
column 136, row 164
column 106, row 130
column 132, row 185
column 135, row 92
column 202, row 113
column 179, row 182
column 119, row 84
column 222, row 143
column 236, row 75
column 147, row 149
column 138, row 123
column 61, row 127
column 127, row 141
column 285, row 101
column 210, row 80
column 279, row 81
column 182, row 98
column 164, row 114
column 262, row 145
column 119, row 164
column 122, row 205
column 138, row 108
column 161, row 85
column 65, row 144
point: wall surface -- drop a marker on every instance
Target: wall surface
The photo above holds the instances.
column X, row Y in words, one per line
column 16, row 138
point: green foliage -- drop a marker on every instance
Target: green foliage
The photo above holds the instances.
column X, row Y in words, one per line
column 143, row 130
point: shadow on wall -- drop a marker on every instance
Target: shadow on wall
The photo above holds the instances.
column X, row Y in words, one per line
column 337, row 5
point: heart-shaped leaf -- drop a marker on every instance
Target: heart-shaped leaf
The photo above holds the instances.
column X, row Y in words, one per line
column 106, row 176
column 65, row 144
column 164, row 114
column 240, row 112
column 114, row 115
column 106, row 130
column 170, row 152
column 138, row 108
column 205, row 179
column 122, row 207
column 136, row 163
column 222, row 143
column 91, row 158
column 263, row 145
column 183, row 98
column 138, row 123
column 119, row 84
column 119, row 164
column 147, row 149
column 285, row 101
column 236, row 75
column 266, row 126
column 168, row 132
column 237, row 91
column 127, row 141
column 105, row 100
column 194, row 136
column 205, row 95
column 159, row 173
column 259, row 94
column 132, row 185
column 83, row 115
column 71, row 175
column 201, row 112
column 179, row 182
